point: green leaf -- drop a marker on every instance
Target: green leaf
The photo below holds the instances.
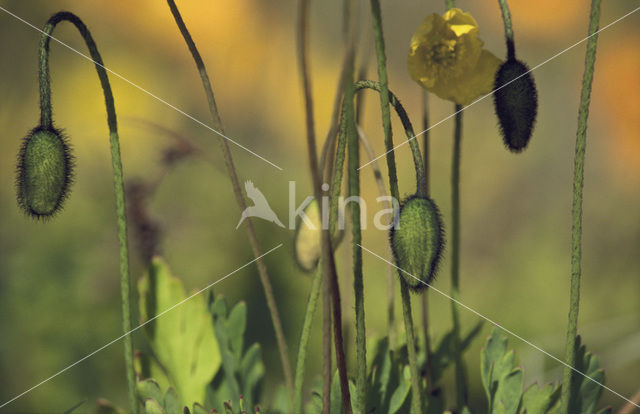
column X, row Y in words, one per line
column 509, row 391
column 149, row 389
column 152, row 406
column 586, row 392
column 171, row 402
column 540, row 400
column 400, row 394
column 198, row 409
column 502, row 383
column 383, row 377
column 182, row 339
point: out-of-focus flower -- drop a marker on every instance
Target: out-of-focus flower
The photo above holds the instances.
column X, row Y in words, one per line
column 446, row 57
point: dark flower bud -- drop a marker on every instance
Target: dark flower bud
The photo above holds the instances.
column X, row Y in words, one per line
column 45, row 171
column 417, row 241
column 516, row 104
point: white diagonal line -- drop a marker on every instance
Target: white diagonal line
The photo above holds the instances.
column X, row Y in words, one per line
column 142, row 89
column 502, row 86
column 137, row 327
column 499, row 326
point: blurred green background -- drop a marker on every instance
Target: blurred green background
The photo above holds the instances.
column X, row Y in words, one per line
column 59, row 283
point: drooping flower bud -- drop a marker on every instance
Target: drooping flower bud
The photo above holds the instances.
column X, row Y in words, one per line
column 516, row 104
column 417, row 241
column 44, row 172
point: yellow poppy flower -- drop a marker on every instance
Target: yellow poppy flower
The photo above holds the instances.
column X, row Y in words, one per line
column 446, row 58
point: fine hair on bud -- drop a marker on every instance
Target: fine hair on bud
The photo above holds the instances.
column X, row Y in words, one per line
column 44, row 172
column 516, row 104
column 417, row 241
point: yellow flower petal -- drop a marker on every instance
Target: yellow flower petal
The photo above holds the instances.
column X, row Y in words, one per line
column 456, row 17
column 480, row 80
column 447, row 58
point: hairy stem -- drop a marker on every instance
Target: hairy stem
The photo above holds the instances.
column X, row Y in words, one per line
column 327, row 259
column 377, row 176
column 578, row 184
column 461, row 382
column 408, row 129
column 428, row 370
column 304, row 340
column 508, row 29
column 416, row 399
column 358, row 284
column 233, row 176
column 46, row 121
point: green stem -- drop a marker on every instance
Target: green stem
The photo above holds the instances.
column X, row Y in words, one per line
column 46, row 121
column 377, row 176
column 416, row 399
column 358, row 285
column 416, row 392
column 384, row 95
column 304, row 340
column 508, row 29
column 578, row 184
column 425, row 294
column 327, row 259
column 408, row 130
column 233, row 176
column 461, row 383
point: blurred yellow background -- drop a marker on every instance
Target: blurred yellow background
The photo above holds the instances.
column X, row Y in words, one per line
column 59, row 297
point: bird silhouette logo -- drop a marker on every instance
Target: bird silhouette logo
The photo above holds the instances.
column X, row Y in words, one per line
column 260, row 209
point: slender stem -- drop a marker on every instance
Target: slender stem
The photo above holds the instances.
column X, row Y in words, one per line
column 233, row 176
column 384, row 97
column 327, row 160
column 416, row 399
column 578, row 184
column 461, row 383
column 425, row 294
column 304, row 340
column 508, row 29
column 408, row 129
column 377, row 176
column 358, row 284
column 327, row 259
column 46, row 121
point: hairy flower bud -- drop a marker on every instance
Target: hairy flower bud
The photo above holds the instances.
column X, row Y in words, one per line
column 516, row 104
column 417, row 241
column 45, row 170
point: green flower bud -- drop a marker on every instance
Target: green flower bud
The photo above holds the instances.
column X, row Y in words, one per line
column 516, row 104
column 306, row 243
column 45, row 171
column 417, row 241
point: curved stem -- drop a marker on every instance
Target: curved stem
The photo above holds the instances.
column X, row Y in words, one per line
column 416, row 399
column 46, row 121
column 578, row 183
column 408, row 129
column 233, row 176
column 304, row 340
column 461, row 382
column 508, row 29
